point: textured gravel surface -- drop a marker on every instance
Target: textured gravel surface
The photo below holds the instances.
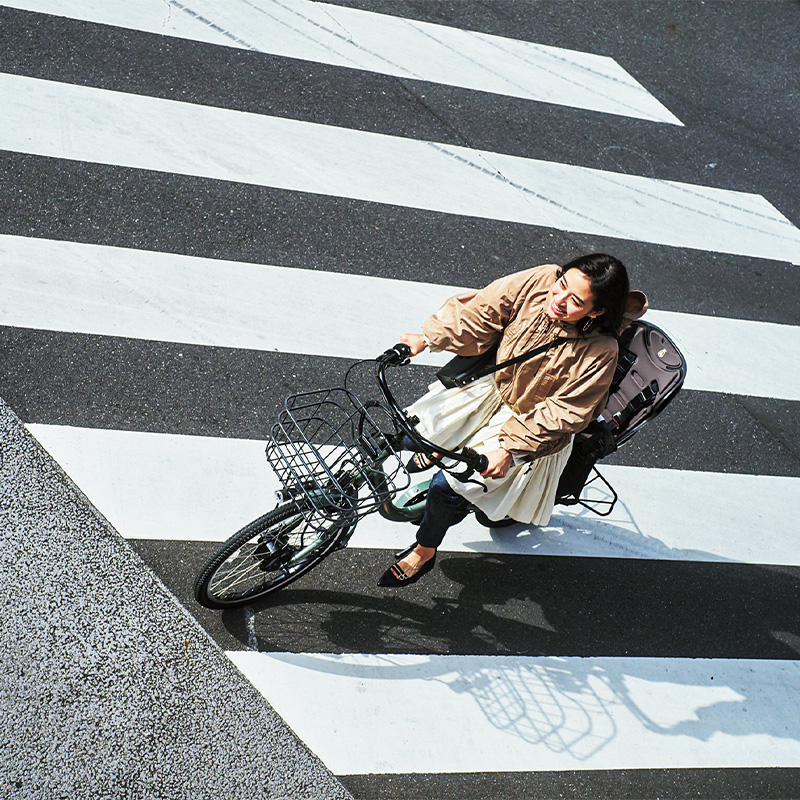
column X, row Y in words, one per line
column 108, row 688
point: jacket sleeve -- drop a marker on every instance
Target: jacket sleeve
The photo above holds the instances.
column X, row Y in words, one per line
column 569, row 407
column 468, row 324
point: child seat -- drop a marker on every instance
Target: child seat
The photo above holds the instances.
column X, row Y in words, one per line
column 650, row 372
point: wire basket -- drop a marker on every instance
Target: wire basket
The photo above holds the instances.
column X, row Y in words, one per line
column 336, row 455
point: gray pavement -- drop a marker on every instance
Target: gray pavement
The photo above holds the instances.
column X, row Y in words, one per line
column 108, row 687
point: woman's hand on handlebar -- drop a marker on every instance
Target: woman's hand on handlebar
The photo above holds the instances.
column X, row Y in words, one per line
column 500, row 462
column 415, row 341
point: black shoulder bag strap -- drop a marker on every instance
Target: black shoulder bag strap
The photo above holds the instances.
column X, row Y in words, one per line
column 519, row 359
column 463, row 370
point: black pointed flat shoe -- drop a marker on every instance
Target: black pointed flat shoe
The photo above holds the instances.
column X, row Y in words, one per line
column 391, row 581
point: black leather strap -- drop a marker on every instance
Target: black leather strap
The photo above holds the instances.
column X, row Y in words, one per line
column 518, row 359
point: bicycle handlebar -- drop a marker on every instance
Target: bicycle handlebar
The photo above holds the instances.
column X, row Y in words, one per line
column 400, row 355
column 397, row 356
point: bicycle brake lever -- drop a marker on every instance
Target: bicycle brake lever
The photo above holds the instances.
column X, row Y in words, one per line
column 474, row 462
column 463, row 477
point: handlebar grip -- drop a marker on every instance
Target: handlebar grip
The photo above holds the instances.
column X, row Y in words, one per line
column 399, row 354
column 477, row 461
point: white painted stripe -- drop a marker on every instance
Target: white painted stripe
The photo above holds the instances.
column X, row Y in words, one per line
column 164, row 486
column 75, row 122
column 406, row 48
column 735, row 356
column 68, row 286
column 413, row 713
column 662, row 514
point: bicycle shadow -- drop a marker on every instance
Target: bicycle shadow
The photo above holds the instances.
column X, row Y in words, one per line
column 581, row 706
column 652, row 615
column 568, row 705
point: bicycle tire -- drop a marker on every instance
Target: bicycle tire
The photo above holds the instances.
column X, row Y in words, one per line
column 270, row 553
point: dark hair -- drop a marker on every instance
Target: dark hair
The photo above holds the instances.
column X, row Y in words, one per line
column 610, row 287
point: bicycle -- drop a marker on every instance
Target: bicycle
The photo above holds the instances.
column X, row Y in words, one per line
column 337, row 458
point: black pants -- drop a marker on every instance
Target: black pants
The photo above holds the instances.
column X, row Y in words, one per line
column 443, row 508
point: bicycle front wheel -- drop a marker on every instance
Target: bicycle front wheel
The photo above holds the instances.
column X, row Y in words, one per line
column 265, row 556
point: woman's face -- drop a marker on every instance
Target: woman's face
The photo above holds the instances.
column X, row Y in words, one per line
column 570, row 298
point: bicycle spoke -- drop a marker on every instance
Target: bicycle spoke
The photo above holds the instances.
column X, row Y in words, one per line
column 239, row 568
column 269, row 555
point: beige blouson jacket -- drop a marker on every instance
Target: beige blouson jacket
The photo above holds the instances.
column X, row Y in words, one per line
column 553, row 395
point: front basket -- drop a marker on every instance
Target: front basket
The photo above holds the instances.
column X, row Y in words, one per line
column 335, row 455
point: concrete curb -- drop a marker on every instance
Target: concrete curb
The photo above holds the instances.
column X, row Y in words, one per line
column 108, row 687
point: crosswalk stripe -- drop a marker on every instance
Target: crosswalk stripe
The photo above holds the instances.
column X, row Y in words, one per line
column 255, row 224
column 101, row 126
column 152, row 485
column 70, row 286
column 405, row 48
column 167, row 486
column 532, row 713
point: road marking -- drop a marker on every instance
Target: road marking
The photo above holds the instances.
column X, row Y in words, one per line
column 165, row 486
column 405, row 48
column 100, row 126
column 532, row 713
column 140, row 294
column 197, row 488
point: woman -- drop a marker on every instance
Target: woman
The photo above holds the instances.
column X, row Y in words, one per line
column 522, row 417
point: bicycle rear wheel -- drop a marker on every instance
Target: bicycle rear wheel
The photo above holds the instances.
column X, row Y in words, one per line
column 264, row 556
column 493, row 523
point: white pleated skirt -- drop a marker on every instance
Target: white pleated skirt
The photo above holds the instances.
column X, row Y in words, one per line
column 472, row 417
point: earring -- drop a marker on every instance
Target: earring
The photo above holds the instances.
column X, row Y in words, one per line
column 585, row 325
